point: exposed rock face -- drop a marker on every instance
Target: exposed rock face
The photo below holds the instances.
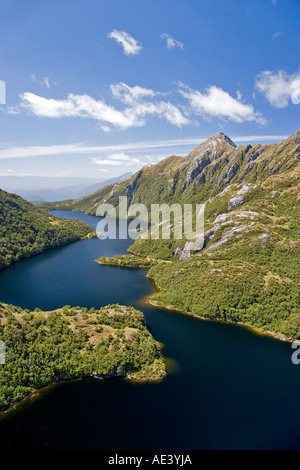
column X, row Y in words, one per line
column 247, row 169
column 183, row 253
column 196, row 168
column 130, row 188
column 193, row 246
column 229, row 173
column 111, row 194
column 208, row 152
column 254, row 152
column 235, row 202
column 226, row 236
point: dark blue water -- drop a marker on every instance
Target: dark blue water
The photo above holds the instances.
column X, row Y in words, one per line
column 232, row 389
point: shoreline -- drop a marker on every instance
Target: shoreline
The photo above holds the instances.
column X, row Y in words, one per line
column 148, row 299
column 254, row 329
column 37, row 393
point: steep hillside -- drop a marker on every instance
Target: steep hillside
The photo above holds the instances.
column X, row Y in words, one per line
column 26, row 230
column 247, row 269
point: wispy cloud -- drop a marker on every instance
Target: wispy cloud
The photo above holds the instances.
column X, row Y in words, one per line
column 130, row 95
column 46, row 82
column 279, row 88
column 215, row 102
column 172, row 42
column 114, row 151
column 277, row 35
column 130, row 45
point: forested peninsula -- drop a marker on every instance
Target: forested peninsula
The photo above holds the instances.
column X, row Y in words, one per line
column 70, row 343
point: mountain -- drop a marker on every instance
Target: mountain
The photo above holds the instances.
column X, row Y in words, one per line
column 42, row 189
column 205, row 172
column 247, row 269
column 26, row 230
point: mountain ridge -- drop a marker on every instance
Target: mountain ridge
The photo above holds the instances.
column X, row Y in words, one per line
column 204, row 172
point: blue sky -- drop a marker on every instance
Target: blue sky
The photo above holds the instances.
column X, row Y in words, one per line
column 99, row 88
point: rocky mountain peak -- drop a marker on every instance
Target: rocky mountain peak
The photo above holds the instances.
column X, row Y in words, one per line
column 205, row 154
column 214, row 146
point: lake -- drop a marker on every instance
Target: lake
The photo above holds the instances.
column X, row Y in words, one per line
column 227, row 388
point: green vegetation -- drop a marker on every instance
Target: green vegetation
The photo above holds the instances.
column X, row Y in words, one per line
column 68, row 343
column 26, row 230
column 248, row 268
column 129, row 261
column 246, row 271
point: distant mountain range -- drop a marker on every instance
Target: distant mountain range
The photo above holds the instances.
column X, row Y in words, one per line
column 42, row 189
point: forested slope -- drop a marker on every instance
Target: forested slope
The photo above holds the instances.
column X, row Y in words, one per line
column 26, row 230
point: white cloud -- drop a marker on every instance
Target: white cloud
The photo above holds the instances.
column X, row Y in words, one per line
column 105, row 128
column 139, row 109
column 277, row 35
column 162, row 109
column 138, row 103
column 116, row 159
column 134, row 115
column 172, row 42
column 130, row 95
column 77, row 106
column 279, row 88
column 215, row 102
column 33, row 77
column 130, row 45
column 121, row 156
column 100, row 161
